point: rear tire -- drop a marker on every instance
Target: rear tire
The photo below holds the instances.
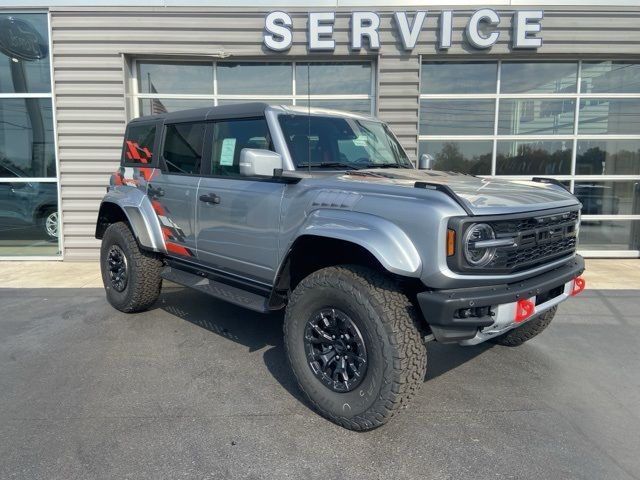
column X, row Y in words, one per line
column 370, row 305
column 532, row 328
column 131, row 276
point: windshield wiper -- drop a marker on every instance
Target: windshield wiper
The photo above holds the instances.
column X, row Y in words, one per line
column 328, row 165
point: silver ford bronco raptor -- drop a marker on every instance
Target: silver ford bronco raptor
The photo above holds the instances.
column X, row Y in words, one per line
column 320, row 213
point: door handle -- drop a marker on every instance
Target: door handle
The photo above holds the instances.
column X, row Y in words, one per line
column 210, row 198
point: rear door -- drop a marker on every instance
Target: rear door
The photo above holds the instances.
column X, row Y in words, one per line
column 173, row 189
column 238, row 217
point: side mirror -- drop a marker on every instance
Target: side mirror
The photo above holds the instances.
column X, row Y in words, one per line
column 258, row 162
column 426, row 162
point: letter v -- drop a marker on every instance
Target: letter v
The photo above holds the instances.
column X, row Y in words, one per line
column 409, row 35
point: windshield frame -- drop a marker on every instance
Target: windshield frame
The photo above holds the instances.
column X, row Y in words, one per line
column 401, row 159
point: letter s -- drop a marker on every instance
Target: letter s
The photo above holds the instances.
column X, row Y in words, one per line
column 279, row 36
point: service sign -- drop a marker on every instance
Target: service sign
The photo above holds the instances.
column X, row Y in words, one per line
column 19, row 39
column 480, row 32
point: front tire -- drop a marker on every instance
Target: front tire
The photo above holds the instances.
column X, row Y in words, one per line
column 361, row 317
column 131, row 276
column 524, row 333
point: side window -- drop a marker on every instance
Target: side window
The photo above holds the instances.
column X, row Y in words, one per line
column 183, row 147
column 230, row 137
column 138, row 144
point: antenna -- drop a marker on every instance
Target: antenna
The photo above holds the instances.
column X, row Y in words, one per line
column 309, row 117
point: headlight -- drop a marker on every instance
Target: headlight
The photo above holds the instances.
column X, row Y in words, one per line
column 476, row 234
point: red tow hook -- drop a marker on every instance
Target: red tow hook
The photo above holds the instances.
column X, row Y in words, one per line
column 524, row 309
column 578, row 286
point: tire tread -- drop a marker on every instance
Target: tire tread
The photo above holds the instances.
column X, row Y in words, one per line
column 401, row 325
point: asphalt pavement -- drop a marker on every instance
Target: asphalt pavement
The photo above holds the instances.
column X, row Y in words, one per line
column 196, row 388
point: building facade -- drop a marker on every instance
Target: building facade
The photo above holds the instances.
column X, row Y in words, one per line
column 509, row 88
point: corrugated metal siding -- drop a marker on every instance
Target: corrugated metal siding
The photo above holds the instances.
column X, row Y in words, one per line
column 89, row 76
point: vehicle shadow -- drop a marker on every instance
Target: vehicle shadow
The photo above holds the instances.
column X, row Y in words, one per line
column 257, row 331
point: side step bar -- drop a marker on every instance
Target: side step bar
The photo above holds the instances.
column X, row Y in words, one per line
column 235, row 295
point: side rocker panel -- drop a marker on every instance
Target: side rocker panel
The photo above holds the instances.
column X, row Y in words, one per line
column 385, row 240
column 141, row 215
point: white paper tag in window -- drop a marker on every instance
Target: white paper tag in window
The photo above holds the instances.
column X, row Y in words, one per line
column 227, row 152
column 360, row 141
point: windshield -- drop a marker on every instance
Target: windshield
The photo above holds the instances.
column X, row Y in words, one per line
column 343, row 143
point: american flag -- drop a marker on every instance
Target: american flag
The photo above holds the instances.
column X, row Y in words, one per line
column 155, row 105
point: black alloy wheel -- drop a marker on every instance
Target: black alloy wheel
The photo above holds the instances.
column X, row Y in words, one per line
column 335, row 350
column 118, row 268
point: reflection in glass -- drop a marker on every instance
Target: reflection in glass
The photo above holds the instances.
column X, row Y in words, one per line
column 254, row 78
column 155, row 106
column 175, row 78
column 334, row 78
column 472, row 157
column 28, row 72
column 463, row 77
column 608, row 157
column 609, row 197
column 533, row 157
column 235, row 101
column 457, row 117
column 538, row 77
column 610, row 77
column 354, row 106
column 26, row 137
column 609, row 116
column 28, row 219
column 528, row 116
column 609, row 235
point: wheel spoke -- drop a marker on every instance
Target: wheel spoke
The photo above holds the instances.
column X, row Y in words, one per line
column 335, row 350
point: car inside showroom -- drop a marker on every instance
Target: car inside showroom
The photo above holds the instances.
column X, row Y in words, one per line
column 489, row 89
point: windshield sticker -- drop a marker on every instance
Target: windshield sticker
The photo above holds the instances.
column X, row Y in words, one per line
column 227, row 152
column 361, row 141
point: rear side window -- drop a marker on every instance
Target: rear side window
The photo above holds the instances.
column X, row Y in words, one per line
column 230, row 137
column 138, row 144
column 183, row 147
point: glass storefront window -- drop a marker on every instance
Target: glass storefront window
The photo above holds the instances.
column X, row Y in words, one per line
column 355, row 106
column 24, row 53
column 515, row 157
column 536, row 116
column 26, row 137
column 609, row 235
column 615, row 197
column 460, row 156
column 610, row 77
column 172, row 77
column 155, row 106
column 254, row 78
column 170, row 86
column 608, row 157
column 539, row 77
column 333, row 78
column 612, row 116
column 29, row 214
column 456, row 117
column 459, row 77
column 28, row 218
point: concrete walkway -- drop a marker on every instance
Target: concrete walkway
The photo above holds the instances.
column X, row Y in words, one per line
column 610, row 274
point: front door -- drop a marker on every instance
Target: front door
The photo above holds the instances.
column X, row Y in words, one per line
column 238, row 217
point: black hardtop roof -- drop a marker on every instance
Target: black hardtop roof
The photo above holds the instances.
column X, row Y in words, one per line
column 255, row 109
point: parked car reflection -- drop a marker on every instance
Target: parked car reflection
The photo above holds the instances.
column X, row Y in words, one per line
column 27, row 209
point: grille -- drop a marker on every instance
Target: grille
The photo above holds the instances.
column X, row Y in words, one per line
column 539, row 240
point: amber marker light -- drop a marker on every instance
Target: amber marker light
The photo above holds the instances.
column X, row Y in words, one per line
column 451, row 242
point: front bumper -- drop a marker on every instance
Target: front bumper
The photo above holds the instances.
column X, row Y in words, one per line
column 441, row 308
